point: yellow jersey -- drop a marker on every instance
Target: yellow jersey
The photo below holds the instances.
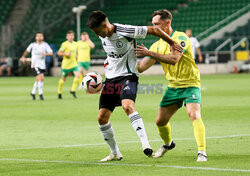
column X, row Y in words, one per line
column 184, row 73
column 69, row 61
column 83, row 49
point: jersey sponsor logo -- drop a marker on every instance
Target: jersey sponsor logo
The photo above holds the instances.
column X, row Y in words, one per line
column 113, row 55
column 104, row 44
column 183, row 44
column 182, row 38
column 119, row 44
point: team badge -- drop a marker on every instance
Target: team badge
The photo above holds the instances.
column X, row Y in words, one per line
column 119, row 44
column 183, row 44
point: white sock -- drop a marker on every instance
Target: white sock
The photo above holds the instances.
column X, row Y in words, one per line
column 109, row 137
column 34, row 88
column 139, row 128
column 40, row 87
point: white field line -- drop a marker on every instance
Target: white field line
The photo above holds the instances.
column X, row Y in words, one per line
column 124, row 142
column 125, row 164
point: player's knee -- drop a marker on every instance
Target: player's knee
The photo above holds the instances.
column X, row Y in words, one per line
column 193, row 115
column 160, row 122
column 128, row 108
column 102, row 119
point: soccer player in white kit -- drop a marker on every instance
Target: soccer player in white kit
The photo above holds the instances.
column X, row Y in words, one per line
column 39, row 50
column 195, row 44
column 121, row 82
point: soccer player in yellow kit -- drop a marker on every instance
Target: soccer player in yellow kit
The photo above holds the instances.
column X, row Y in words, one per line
column 184, row 83
column 68, row 50
column 83, row 49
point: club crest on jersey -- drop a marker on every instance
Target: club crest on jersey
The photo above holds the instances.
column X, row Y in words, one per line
column 119, row 44
column 183, row 44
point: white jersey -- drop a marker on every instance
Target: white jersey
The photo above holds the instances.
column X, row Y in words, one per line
column 195, row 44
column 121, row 59
column 37, row 59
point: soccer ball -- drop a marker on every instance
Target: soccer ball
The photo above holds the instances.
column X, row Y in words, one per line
column 92, row 82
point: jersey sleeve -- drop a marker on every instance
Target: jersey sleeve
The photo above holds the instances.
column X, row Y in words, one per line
column 29, row 47
column 183, row 41
column 63, row 47
column 197, row 44
column 48, row 49
column 131, row 31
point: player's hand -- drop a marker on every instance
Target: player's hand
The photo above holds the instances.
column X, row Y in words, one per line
column 22, row 59
column 200, row 58
column 44, row 54
column 141, row 51
column 176, row 47
column 87, row 36
column 68, row 54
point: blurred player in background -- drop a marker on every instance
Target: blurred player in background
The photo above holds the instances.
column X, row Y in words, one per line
column 121, row 82
column 39, row 50
column 195, row 44
column 4, row 67
column 183, row 83
column 68, row 50
column 83, row 49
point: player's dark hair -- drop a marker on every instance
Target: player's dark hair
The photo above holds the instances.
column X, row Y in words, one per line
column 39, row 32
column 70, row 32
column 96, row 18
column 164, row 14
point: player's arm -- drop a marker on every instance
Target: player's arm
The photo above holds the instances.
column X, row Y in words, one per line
column 47, row 54
column 145, row 63
column 25, row 53
column 62, row 52
column 156, row 31
column 172, row 59
column 199, row 54
column 77, row 54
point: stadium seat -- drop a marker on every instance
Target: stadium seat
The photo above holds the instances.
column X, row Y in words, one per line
column 193, row 15
column 239, row 33
column 5, row 9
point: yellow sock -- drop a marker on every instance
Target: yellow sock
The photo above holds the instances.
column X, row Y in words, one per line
column 165, row 133
column 75, row 84
column 199, row 134
column 81, row 77
column 60, row 85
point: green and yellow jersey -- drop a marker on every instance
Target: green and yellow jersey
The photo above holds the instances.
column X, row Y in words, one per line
column 69, row 61
column 185, row 73
column 83, row 51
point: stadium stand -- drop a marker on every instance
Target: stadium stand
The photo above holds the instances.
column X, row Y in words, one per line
column 58, row 17
column 200, row 18
column 130, row 12
column 236, row 35
column 5, row 9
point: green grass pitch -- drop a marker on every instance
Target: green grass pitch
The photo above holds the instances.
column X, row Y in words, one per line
column 61, row 137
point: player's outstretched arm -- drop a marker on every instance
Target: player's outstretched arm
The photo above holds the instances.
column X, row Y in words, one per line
column 156, row 31
column 172, row 59
column 145, row 63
